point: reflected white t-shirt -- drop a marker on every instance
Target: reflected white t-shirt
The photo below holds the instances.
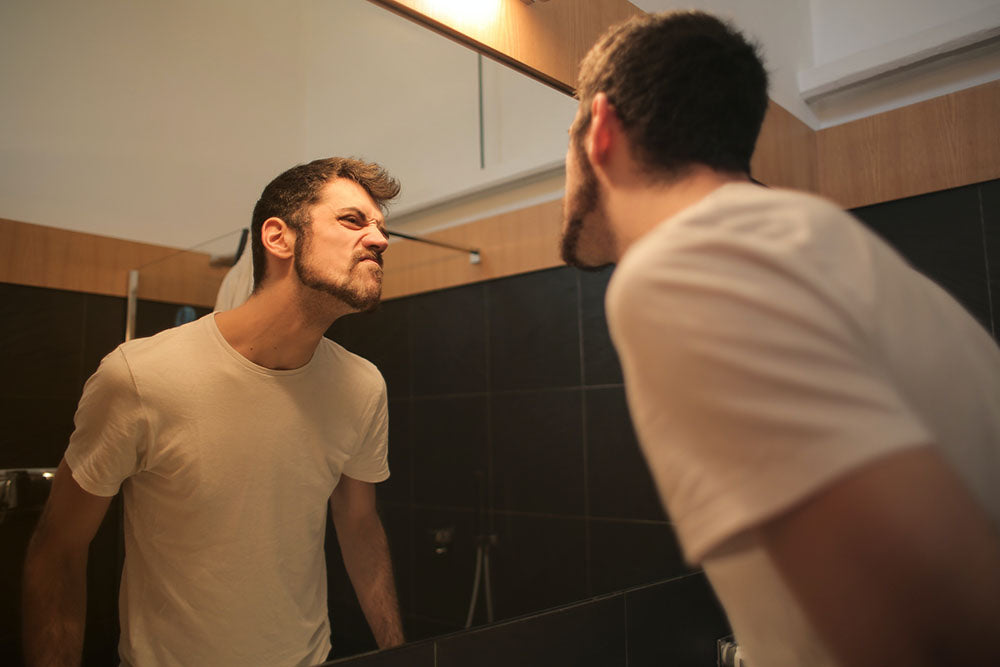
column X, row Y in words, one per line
column 771, row 345
column 227, row 469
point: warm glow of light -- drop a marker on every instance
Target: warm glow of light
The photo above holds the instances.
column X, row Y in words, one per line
column 47, row 475
column 465, row 12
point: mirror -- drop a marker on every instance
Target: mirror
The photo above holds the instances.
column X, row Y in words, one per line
column 517, row 485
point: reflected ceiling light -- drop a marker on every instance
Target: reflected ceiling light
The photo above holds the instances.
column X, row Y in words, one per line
column 469, row 12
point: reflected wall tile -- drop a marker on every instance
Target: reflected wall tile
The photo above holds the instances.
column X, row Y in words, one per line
column 41, row 342
column 539, row 562
column 444, row 553
column 674, row 623
column 990, row 193
column 409, row 655
column 400, row 483
column 104, row 330
column 449, row 341
column 537, row 452
column 381, row 337
column 35, row 431
column 624, row 554
column 534, row 332
column 600, row 361
column 449, row 450
column 591, row 634
column 941, row 235
column 618, row 479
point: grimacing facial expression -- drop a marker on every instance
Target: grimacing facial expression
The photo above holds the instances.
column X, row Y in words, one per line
column 584, row 221
column 339, row 251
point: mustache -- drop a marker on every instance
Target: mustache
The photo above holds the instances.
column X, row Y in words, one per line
column 375, row 256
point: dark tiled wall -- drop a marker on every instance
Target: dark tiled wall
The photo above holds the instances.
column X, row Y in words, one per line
column 508, row 418
column 675, row 622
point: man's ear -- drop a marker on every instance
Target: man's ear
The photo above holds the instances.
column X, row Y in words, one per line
column 604, row 130
column 278, row 238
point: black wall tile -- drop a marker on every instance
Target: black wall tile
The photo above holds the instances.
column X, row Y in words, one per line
column 586, row 635
column 104, row 330
column 538, row 563
column 381, row 337
column 534, row 331
column 152, row 317
column 990, row 194
column 449, row 450
column 941, row 235
column 674, row 623
column 538, row 451
column 411, row 655
column 444, row 555
column 600, row 361
column 35, row 431
column 624, row 554
column 618, row 480
column 398, row 488
column 41, row 342
column 449, row 341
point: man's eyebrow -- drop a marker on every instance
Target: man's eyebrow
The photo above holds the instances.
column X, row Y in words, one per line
column 361, row 214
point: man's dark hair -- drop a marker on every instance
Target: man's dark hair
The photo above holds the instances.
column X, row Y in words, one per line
column 688, row 88
column 290, row 195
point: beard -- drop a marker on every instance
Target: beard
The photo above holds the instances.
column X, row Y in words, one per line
column 585, row 200
column 361, row 295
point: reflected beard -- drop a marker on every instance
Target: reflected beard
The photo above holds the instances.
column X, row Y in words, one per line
column 583, row 201
column 359, row 295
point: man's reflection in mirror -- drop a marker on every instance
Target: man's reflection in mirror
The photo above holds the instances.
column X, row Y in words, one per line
column 230, row 437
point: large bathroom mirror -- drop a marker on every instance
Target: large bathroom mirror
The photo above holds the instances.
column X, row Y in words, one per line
column 517, row 485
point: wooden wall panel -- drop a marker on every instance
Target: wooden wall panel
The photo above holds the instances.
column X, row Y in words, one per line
column 62, row 259
column 785, row 155
column 510, row 243
column 945, row 142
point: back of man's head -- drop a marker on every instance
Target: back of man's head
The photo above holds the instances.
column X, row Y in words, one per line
column 688, row 88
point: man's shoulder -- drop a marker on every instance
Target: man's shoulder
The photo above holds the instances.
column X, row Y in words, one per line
column 356, row 367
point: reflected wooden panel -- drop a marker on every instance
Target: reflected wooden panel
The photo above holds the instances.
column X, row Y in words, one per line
column 62, row 259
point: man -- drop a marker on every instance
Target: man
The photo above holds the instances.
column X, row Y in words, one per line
column 823, row 423
column 229, row 435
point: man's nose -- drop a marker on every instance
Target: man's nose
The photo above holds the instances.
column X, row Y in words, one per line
column 375, row 239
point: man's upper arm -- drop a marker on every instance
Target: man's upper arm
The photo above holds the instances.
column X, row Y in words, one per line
column 895, row 557
column 72, row 515
column 352, row 499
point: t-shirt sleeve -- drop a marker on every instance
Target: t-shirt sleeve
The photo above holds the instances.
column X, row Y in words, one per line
column 111, row 433
column 750, row 384
column 370, row 462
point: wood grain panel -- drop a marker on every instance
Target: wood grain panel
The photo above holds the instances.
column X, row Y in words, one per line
column 544, row 39
column 942, row 143
column 785, row 155
column 62, row 259
column 510, row 243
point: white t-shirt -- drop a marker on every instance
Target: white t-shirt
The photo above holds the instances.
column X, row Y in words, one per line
column 227, row 469
column 770, row 346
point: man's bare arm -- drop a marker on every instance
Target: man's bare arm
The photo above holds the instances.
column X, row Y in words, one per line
column 896, row 564
column 366, row 557
column 55, row 573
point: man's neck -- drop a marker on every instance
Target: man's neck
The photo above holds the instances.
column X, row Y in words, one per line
column 277, row 330
column 638, row 209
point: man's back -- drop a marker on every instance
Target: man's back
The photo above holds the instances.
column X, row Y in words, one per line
column 772, row 347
